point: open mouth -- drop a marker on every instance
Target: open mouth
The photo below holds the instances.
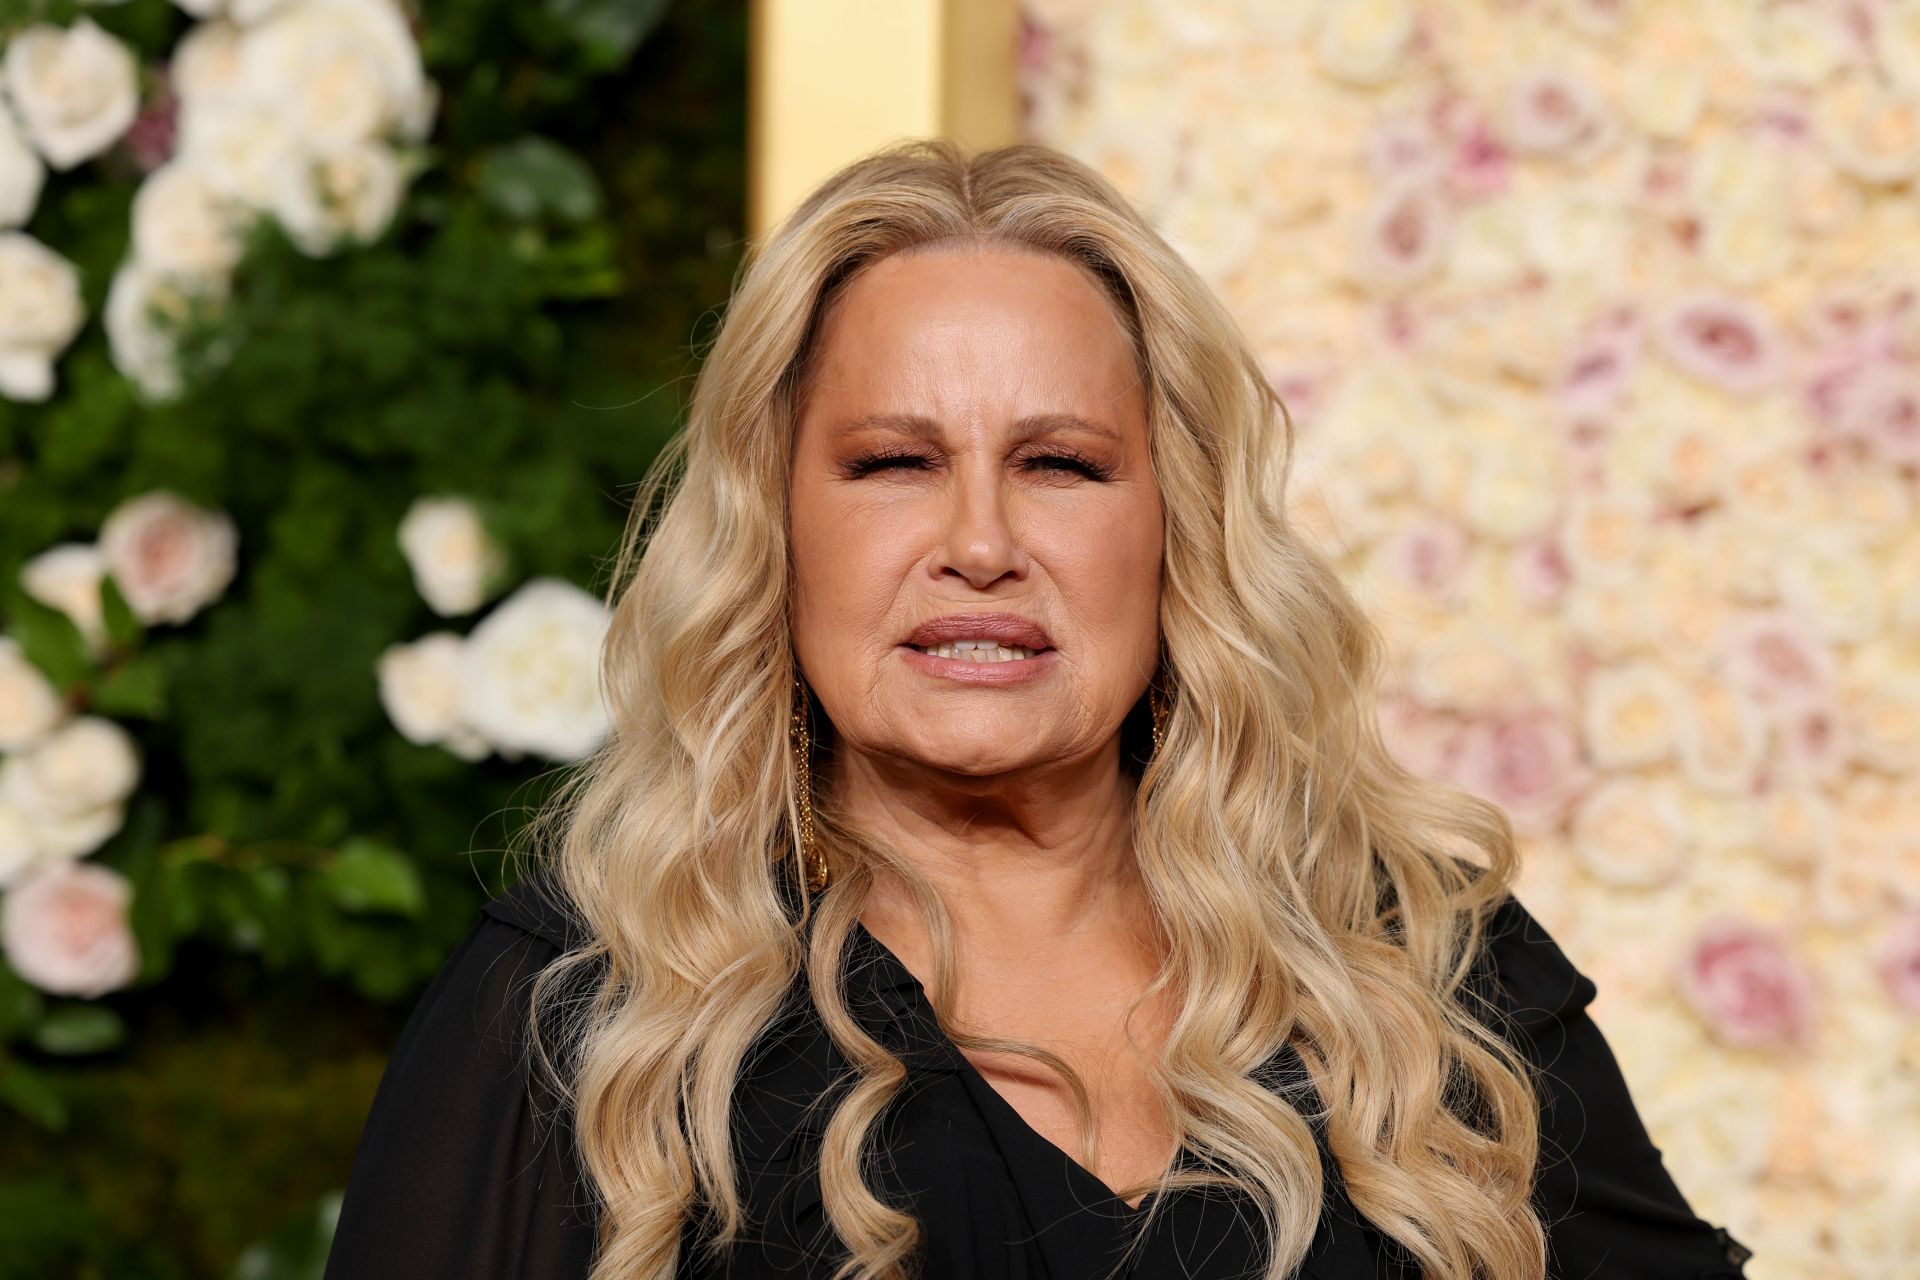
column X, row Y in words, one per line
column 980, row 651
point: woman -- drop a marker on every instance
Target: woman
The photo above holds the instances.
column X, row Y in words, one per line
column 995, row 869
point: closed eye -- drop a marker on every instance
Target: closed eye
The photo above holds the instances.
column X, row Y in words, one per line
column 1056, row 463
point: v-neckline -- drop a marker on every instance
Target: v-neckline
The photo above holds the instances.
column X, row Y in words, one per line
column 1012, row 1124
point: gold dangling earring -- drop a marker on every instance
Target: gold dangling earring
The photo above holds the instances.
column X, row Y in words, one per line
column 1157, row 705
column 800, row 735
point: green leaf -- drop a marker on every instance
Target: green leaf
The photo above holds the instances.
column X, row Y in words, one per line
column 123, row 628
column 79, row 1028
column 533, row 177
column 20, row 1003
column 366, row 875
column 32, row 1095
column 609, row 30
column 136, row 687
column 49, row 639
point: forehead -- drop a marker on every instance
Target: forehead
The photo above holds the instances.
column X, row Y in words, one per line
column 961, row 330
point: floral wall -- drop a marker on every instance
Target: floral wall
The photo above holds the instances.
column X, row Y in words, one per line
column 332, row 335
column 1600, row 320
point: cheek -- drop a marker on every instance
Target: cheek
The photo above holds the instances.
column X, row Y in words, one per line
column 846, row 575
column 1107, row 566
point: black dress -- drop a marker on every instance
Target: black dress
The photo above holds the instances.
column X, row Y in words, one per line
column 456, row 1177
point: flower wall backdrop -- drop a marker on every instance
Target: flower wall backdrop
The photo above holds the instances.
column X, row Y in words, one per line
column 1600, row 320
column 332, row 334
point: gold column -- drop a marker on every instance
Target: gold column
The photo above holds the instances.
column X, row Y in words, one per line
column 830, row 80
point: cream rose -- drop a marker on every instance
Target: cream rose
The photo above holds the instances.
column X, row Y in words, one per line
column 67, row 577
column 456, row 564
column 144, row 310
column 336, row 198
column 1630, row 714
column 420, row 689
column 1870, row 131
column 77, row 90
column 532, row 678
column 29, row 704
column 21, row 172
column 40, row 312
column 85, row 766
column 169, row 558
column 1631, row 831
column 1363, row 41
column 20, row 846
column 340, row 72
column 183, row 222
column 65, row 930
column 239, row 144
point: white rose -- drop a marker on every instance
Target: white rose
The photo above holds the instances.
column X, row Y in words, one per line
column 169, row 558
column 183, row 222
column 238, row 143
column 65, row 930
column 21, row 172
column 67, row 577
column 420, row 688
column 456, row 564
column 344, row 196
column 77, row 90
column 143, row 312
column 1631, row 831
column 532, row 680
column 1722, row 738
column 86, row 765
column 40, row 312
column 29, row 704
column 340, row 72
column 20, row 848
column 1362, row 41
column 206, row 64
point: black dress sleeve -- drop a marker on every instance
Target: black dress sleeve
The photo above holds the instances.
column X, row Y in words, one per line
column 465, row 1168
column 1611, row 1209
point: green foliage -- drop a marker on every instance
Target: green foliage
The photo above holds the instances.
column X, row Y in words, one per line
column 299, row 870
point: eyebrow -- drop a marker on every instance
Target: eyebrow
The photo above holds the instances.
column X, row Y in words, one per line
column 1034, row 424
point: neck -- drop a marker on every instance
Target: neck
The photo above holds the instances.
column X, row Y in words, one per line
column 1019, row 859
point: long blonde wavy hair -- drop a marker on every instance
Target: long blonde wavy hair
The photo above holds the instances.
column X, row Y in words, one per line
column 1308, row 890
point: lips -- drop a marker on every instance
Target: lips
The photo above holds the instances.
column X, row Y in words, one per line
column 1006, row 628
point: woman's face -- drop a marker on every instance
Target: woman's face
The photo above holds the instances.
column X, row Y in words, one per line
column 972, row 454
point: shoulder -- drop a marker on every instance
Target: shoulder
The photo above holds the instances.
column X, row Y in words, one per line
column 1523, row 971
column 538, row 907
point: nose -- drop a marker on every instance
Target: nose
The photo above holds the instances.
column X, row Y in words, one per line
column 981, row 544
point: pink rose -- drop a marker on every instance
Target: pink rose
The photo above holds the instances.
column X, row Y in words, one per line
column 1880, row 407
column 169, row 558
column 1403, row 237
column 1421, row 738
column 1539, row 572
column 65, row 930
column 1727, row 341
column 1524, row 759
column 1600, row 367
column 1548, row 112
column 1900, row 961
column 1429, row 557
column 1481, row 164
column 1404, row 148
column 1777, row 660
column 1747, row 986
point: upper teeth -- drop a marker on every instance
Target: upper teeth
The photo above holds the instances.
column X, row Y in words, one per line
column 979, row 651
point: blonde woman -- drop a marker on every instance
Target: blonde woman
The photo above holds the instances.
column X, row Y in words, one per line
column 995, row 868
